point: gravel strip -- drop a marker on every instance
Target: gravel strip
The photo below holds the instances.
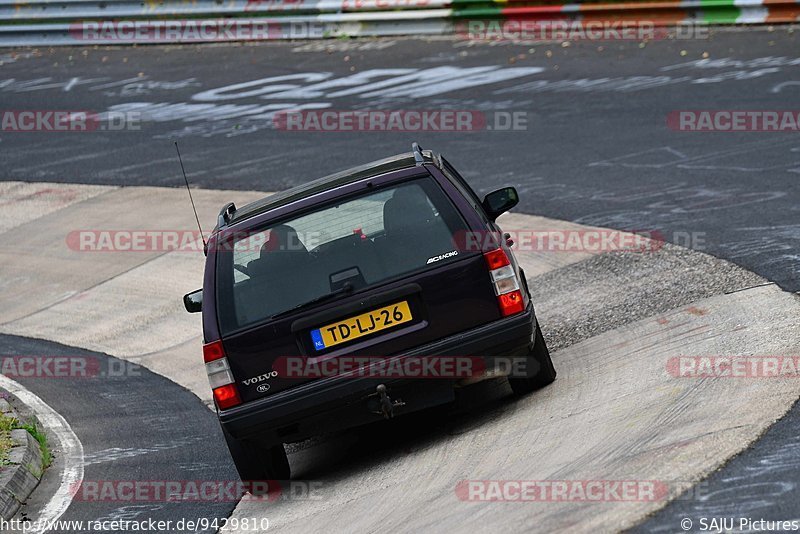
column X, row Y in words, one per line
column 610, row 290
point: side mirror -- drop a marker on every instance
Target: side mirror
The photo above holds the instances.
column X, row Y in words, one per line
column 498, row 202
column 193, row 302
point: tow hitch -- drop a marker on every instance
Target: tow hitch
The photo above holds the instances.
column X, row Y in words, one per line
column 387, row 405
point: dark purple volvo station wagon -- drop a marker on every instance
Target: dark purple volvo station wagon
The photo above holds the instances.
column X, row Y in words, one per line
column 366, row 294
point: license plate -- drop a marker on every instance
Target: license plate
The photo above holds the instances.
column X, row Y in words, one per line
column 361, row 325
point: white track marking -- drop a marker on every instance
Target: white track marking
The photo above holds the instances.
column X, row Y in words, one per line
column 71, row 450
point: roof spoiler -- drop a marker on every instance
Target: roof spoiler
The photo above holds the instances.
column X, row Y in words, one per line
column 226, row 214
column 419, row 159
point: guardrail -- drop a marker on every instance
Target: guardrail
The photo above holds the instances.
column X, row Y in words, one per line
column 76, row 22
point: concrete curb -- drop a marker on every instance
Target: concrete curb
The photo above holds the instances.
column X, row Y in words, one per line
column 20, row 477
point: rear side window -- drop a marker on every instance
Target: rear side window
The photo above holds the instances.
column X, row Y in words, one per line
column 464, row 188
column 361, row 241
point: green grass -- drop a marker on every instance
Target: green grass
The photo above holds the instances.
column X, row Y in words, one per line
column 38, row 435
column 7, row 424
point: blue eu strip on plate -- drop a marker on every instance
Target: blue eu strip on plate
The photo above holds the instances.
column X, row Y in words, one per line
column 316, row 337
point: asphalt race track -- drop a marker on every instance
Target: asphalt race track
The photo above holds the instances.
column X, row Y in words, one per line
column 134, row 425
column 596, row 127
column 595, row 149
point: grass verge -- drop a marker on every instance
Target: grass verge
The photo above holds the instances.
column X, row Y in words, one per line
column 7, row 424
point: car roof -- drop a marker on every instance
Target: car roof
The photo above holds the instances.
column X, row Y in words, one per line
column 354, row 174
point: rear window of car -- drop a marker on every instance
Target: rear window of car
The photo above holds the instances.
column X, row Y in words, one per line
column 360, row 241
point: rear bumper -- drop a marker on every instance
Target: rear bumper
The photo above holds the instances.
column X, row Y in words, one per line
column 336, row 403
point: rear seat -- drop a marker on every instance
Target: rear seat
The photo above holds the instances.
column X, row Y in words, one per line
column 283, row 266
column 414, row 232
column 352, row 251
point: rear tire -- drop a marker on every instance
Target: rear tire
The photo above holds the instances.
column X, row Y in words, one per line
column 258, row 461
column 540, row 364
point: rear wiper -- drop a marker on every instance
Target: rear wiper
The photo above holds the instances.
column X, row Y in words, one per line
column 345, row 289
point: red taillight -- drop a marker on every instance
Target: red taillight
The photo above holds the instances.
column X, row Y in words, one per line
column 227, row 396
column 220, row 376
column 511, row 303
column 496, row 259
column 213, row 351
column 506, row 285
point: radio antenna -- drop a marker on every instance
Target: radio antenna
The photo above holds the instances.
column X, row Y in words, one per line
column 185, row 179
